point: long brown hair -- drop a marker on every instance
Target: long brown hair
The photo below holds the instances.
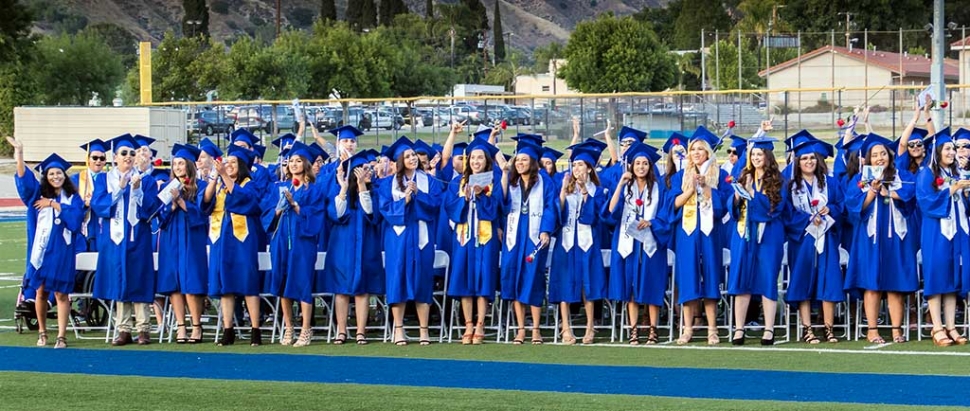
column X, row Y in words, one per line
column 467, row 172
column 937, row 168
column 533, row 173
column 651, row 179
column 592, row 177
column 400, row 169
column 307, row 170
column 48, row 191
column 771, row 180
column 888, row 173
column 821, row 170
column 189, row 183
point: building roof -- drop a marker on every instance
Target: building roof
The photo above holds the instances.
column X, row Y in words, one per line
column 912, row 65
column 961, row 43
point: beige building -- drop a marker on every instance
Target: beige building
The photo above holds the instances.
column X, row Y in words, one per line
column 836, row 67
column 543, row 84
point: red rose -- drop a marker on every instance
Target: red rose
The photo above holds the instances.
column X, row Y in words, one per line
column 940, row 181
column 186, row 180
column 841, row 122
column 504, row 124
column 676, row 142
column 729, row 179
column 731, row 124
column 814, row 203
column 529, row 258
column 861, row 184
column 157, row 162
column 296, row 182
column 944, row 104
column 485, row 190
column 639, row 203
column 219, row 159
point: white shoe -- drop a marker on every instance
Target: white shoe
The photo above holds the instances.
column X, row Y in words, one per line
column 305, row 337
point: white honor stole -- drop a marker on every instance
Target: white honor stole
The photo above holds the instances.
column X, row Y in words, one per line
column 948, row 225
column 535, row 204
column 584, row 232
column 802, row 199
column 46, row 219
column 421, row 180
column 631, row 215
column 706, row 208
column 896, row 220
column 117, row 225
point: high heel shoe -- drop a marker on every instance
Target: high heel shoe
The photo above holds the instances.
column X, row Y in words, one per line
column 735, row 339
column 306, row 335
column 256, row 337
column 941, row 339
column 536, row 336
column 519, row 336
column 228, row 337
column 479, row 339
column 180, row 337
column 956, row 337
column 568, row 338
column 424, row 341
column 830, row 335
column 404, row 338
column 196, row 340
column 768, row 341
column 287, row 338
column 466, row 338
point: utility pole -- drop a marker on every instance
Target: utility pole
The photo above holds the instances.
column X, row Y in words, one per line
column 936, row 69
column 451, row 32
column 703, row 64
column 278, row 18
column 848, row 34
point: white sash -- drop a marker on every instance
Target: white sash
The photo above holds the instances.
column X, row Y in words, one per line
column 584, row 232
column 705, row 208
column 421, row 180
column 87, row 212
column 802, row 199
column 117, row 226
column 535, row 203
column 948, row 225
column 897, row 220
column 46, row 219
column 631, row 215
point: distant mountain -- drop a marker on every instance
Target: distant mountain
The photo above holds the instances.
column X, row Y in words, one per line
column 533, row 22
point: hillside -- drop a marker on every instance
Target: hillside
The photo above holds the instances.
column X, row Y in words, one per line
column 533, row 22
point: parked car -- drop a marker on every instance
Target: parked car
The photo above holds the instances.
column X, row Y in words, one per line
column 384, row 118
column 355, row 116
column 470, row 113
column 260, row 118
column 210, row 122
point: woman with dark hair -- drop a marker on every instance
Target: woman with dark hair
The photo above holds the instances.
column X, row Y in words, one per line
column 756, row 248
column 676, row 156
column 183, row 270
column 232, row 203
column 409, row 203
column 475, row 210
column 292, row 218
column 881, row 260
column 815, row 211
column 940, row 192
column 577, row 273
column 54, row 213
column 353, row 266
column 638, row 265
column 532, row 212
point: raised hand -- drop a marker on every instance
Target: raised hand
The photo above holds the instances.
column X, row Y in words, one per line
column 17, row 145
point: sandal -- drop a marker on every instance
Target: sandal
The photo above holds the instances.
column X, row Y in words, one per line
column 519, row 337
column 735, row 340
column 196, row 340
column 956, row 337
column 424, row 341
column 466, row 338
column 652, row 336
column 287, row 338
column 180, row 337
column 536, row 336
column 404, row 340
column 479, row 339
column 712, row 337
column 42, row 339
column 809, row 336
column 340, row 340
column 941, row 339
column 830, row 335
column 877, row 339
column 589, row 336
column 685, row 338
column 306, row 335
column 362, row 339
column 568, row 338
column 634, row 336
column 899, row 339
column 768, row 341
column 61, row 342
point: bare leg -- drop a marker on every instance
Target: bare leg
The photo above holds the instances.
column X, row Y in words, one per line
column 252, row 305
column 40, row 306
column 424, row 309
column 567, row 332
column 228, row 303
column 536, row 332
column 896, row 315
column 361, row 307
column 178, row 307
column 632, row 313
column 741, row 303
column 519, row 320
column 287, row 306
column 397, row 310
column 935, row 303
column 64, row 311
column 950, row 310
column 870, row 302
column 590, row 331
column 770, row 308
column 482, row 312
column 687, row 316
column 195, row 310
column 307, row 312
column 467, row 311
column 341, row 306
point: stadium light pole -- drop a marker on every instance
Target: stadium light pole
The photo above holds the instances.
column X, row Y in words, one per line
column 936, row 70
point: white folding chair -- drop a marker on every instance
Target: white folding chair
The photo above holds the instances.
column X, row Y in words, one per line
column 89, row 262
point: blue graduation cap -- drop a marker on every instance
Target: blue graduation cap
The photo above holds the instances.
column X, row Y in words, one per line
column 284, row 140
column 458, row 149
column 703, row 133
column 589, row 154
column 124, row 140
column 641, row 150
column 873, row 140
column 144, row 141
column 489, row 149
column 592, row 142
column 437, row 148
column 154, row 152
column 359, row 159
column 484, row 134
column 243, row 155
column 961, row 134
column 300, row 149
column 919, row 133
column 940, row 138
column 675, row 139
column 259, row 151
column 535, row 139
column 854, row 145
column 798, row 139
column 161, row 174
column 528, row 148
column 632, row 133
column 739, row 143
column 95, row 145
column 316, row 152
column 244, row 135
column 815, row 146
column 346, row 132
column 421, row 147
column 398, row 148
column 764, row 143
column 53, row 161
column 551, row 154
column 187, row 152
column 210, row 148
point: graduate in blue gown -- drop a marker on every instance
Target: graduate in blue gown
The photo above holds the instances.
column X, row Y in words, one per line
column 945, row 235
column 627, row 137
column 54, row 214
column 183, row 271
column 577, row 273
column 475, row 211
column 409, row 203
column 638, row 269
column 123, row 201
column 232, row 204
column 533, row 211
column 97, row 152
column 736, row 154
column 277, row 170
column 961, row 140
column 881, row 260
column 815, row 216
column 696, row 202
column 293, row 216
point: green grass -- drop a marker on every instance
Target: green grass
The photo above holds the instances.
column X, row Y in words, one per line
column 32, row 391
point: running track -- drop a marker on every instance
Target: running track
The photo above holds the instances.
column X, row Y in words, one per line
column 667, row 382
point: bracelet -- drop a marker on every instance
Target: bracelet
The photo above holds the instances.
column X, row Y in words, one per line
column 51, row 203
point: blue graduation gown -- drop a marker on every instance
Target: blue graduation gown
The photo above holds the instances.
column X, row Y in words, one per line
column 942, row 271
column 756, row 259
column 353, row 265
column 699, row 264
column 815, row 276
column 126, row 271
column 883, row 262
column 89, row 242
column 520, row 280
column 183, row 265
column 263, row 183
column 56, row 272
column 233, row 222
column 579, row 273
column 639, row 277
column 474, row 264
column 443, row 231
column 293, row 240
column 409, row 270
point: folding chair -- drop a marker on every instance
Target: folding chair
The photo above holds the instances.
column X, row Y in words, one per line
column 725, row 300
column 884, row 304
column 841, row 309
column 547, row 310
column 666, row 310
column 439, row 300
column 101, row 309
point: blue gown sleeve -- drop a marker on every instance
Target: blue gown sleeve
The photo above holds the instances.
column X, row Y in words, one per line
column 72, row 215
column 933, row 202
column 244, row 199
column 149, row 200
column 391, row 210
column 28, row 187
column 310, row 220
column 456, row 207
column 660, row 225
column 331, row 205
column 550, row 207
column 428, row 203
column 267, row 207
column 674, row 214
column 854, row 200
column 719, row 196
column 100, row 198
column 836, row 201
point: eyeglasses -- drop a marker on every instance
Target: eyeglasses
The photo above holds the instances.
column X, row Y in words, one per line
column 732, row 151
column 914, row 144
column 962, row 144
column 99, row 158
column 126, row 153
column 624, row 143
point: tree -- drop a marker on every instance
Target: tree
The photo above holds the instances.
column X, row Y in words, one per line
column 368, row 14
column 505, row 73
column 429, row 9
column 73, row 69
column 612, row 54
column 185, row 69
column 542, row 54
column 419, row 68
column 119, row 40
column 277, row 72
column 14, row 27
column 354, row 13
column 390, row 9
column 328, row 10
column 696, row 15
column 497, row 35
column 818, row 17
column 476, row 21
column 197, row 12
column 663, row 20
column 727, row 51
column 355, row 65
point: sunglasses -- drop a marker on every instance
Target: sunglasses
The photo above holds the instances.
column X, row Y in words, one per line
column 99, row 158
column 624, row 143
column 962, row 144
column 732, row 151
column 914, row 144
column 126, row 153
